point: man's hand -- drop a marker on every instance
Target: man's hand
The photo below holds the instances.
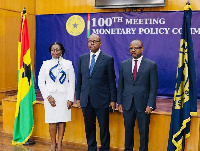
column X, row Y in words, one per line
column 78, row 102
column 148, row 110
column 69, row 104
column 113, row 105
column 120, row 109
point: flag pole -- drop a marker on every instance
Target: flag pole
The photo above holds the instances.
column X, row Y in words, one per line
column 29, row 141
column 185, row 99
column 183, row 143
column 18, row 137
column 184, row 131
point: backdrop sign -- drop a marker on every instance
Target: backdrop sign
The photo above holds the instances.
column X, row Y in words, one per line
column 159, row 31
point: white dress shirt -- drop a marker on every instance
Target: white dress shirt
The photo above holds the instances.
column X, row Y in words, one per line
column 138, row 63
column 97, row 54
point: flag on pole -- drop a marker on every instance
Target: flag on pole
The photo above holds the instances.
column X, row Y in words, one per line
column 24, row 121
column 185, row 98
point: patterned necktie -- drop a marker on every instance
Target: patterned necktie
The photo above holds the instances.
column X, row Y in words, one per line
column 92, row 64
column 135, row 70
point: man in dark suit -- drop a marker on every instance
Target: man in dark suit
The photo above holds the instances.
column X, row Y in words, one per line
column 96, row 92
column 137, row 90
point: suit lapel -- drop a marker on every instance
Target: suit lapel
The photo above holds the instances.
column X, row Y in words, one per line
column 87, row 62
column 141, row 68
column 129, row 67
column 98, row 62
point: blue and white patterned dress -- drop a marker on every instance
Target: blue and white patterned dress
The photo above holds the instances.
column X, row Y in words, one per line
column 62, row 92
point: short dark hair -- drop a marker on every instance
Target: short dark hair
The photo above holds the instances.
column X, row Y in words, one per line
column 137, row 40
column 61, row 47
column 96, row 35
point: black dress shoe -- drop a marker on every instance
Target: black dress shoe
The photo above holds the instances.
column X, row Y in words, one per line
column 30, row 142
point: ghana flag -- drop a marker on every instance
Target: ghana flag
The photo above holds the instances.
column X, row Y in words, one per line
column 185, row 97
column 24, row 121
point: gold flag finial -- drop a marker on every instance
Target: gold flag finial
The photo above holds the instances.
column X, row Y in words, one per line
column 188, row 2
column 24, row 10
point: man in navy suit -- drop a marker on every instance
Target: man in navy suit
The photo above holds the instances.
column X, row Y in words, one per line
column 96, row 92
column 137, row 90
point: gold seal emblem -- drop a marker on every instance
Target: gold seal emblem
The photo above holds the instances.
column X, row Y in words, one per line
column 75, row 25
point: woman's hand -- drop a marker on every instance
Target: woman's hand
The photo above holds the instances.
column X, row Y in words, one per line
column 69, row 104
column 52, row 101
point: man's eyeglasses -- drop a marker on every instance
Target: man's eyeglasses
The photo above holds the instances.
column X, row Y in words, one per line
column 135, row 48
column 55, row 50
column 94, row 41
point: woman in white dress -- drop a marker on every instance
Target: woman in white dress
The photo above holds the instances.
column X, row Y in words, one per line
column 56, row 81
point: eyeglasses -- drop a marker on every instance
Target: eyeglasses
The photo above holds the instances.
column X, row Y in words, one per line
column 55, row 50
column 135, row 48
column 94, row 41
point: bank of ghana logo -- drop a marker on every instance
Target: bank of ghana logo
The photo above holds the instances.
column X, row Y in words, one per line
column 75, row 25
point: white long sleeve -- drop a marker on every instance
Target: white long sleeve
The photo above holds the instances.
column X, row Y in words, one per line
column 47, row 85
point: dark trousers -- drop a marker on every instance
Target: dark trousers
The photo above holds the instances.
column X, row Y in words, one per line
column 143, row 125
column 102, row 115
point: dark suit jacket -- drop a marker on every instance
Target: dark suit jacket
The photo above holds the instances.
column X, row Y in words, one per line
column 143, row 90
column 101, row 86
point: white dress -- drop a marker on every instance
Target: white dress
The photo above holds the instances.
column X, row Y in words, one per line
column 61, row 92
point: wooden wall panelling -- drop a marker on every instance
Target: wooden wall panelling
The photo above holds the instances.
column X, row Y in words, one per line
column 9, row 115
column 12, row 23
column 40, row 128
column 68, row 6
column 194, row 134
column 18, row 5
column 10, row 17
column 159, row 131
column 2, row 4
column 199, row 136
column 2, row 53
column 75, row 130
column 11, row 53
column 87, row 6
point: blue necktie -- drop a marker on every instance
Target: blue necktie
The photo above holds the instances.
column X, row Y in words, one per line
column 92, row 64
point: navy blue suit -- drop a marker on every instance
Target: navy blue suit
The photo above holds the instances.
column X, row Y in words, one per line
column 135, row 96
column 95, row 93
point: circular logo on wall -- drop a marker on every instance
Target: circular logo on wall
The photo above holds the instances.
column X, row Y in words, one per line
column 75, row 25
